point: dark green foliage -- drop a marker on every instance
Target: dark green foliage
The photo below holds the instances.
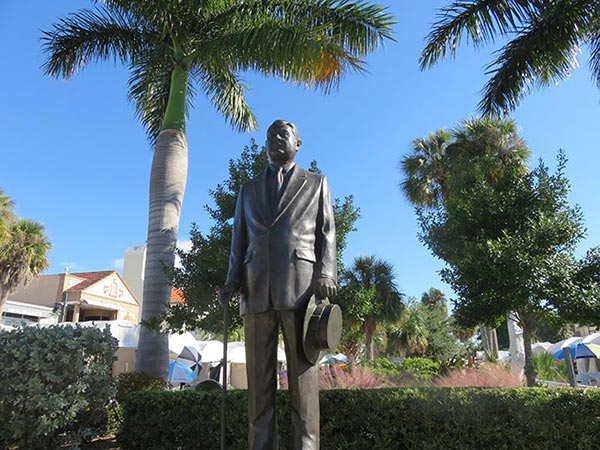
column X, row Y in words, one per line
column 204, row 267
column 55, row 385
column 138, row 381
column 380, row 419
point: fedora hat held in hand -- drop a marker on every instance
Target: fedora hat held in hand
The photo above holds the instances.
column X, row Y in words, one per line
column 322, row 328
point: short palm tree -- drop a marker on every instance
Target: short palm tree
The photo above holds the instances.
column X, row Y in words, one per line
column 544, row 41
column 426, row 169
column 409, row 335
column 445, row 157
column 22, row 257
column 172, row 48
column 382, row 302
column 6, row 216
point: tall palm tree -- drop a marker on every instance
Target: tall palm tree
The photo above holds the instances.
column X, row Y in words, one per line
column 22, row 257
column 544, row 39
column 172, row 48
column 382, row 300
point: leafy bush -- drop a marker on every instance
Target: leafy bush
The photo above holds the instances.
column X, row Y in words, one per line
column 382, row 419
column 421, row 368
column 548, row 369
column 383, row 367
column 55, row 385
column 138, row 381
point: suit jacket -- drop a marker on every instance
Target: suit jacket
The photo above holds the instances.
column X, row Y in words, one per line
column 282, row 251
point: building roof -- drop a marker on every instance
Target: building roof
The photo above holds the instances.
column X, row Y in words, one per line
column 177, row 296
column 89, row 278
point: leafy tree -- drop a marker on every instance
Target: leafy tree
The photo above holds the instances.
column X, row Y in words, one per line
column 544, row 39
column 204, row 267
column 509, row 246
column 172, row 48
column 23, row 251
column 478, row 147
column 369, row 296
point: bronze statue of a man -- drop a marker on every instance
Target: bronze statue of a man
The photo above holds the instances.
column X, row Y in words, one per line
column 282, row 252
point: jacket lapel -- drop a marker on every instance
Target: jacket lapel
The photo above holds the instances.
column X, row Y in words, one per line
column 295, row 185
column 261, row 198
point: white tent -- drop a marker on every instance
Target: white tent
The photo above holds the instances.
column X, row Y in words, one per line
column 211, row 351
column 177, row 342
column 539, row 348
column 236, row 353
column 562, row 344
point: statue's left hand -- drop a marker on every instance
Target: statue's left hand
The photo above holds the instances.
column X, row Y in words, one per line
column 325, row 288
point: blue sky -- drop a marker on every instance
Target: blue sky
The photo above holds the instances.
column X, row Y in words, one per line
column 74, row 157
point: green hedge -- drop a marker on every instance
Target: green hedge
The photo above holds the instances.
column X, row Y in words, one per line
column 420, row 418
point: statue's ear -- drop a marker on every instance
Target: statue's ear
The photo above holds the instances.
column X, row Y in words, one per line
column 298, row 144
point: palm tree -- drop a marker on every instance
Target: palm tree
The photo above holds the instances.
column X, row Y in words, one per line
column 370, row 296
column 434, row 298
column 409, row 335
column 426, row 169
column 6, row 216
column 172, row 48
column 445, row 157
column 22, row 257
column 544, row 39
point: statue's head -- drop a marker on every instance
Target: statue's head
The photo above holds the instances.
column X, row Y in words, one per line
column 283, row 142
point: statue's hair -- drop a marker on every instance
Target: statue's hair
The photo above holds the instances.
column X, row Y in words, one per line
column 279, row 122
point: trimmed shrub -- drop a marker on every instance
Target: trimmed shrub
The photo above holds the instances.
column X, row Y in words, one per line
column 382, row 419
column 136, row 382
column 55, row 385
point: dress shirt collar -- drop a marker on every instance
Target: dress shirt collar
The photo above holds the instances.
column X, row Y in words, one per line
column 286, row 167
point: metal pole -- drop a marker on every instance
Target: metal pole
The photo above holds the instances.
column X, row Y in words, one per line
column 570, row 368
column 224, row 367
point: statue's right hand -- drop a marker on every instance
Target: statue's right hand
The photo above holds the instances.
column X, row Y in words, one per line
column 226, row 294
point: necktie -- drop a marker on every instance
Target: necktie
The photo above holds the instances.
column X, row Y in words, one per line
column 276, row 188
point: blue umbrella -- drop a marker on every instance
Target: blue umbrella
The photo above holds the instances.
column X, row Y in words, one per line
column 579, row 350
column 180, row 373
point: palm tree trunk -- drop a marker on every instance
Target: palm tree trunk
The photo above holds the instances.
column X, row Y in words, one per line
column 167, row 185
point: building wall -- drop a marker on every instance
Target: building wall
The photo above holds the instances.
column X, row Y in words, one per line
column 45, row 291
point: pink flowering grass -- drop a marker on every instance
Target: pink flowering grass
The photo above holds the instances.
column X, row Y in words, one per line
column 350, row 376
column 487, row 375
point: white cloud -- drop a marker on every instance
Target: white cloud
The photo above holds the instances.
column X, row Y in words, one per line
column 118, row 264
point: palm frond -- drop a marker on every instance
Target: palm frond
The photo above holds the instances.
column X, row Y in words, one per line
column 480, row 20
column 149, row 83
column 90, row 36
column 594, row 44
column 226, row 92
column 313, row 42
column 545, row 50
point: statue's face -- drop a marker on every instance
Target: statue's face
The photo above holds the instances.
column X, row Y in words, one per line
column 282, row 144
